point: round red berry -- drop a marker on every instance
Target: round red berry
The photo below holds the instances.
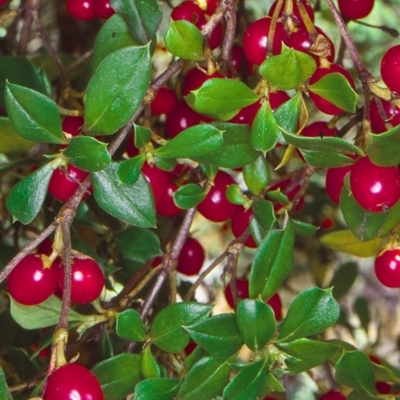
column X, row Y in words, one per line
column 188, row 11
column 387, row 268
column 211, row 6
column 164, row 101
column 355, row 9
column 333, row 395
column 374, row 187
column 165, row 206
column 390, row 68
column 30, row 283
column 73, row 381
column 392, row 114
column 242, row 286
column 240, row 222
column 81, row 9
column 87, row 280
column 191, row 258
column 195, row 78
column 334, row 181
column 103, row 9
column 181, row 118
column 3, row 2
column 73, row 125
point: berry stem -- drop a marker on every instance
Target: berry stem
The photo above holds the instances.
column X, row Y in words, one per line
column 230, row 17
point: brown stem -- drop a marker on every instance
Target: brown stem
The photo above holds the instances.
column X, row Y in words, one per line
column 23, row 41
column 230, row 17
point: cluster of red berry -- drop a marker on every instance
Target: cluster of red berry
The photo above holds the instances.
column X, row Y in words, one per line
column 88, row 9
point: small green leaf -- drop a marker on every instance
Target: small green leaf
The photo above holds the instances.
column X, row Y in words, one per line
column 361, row 308
column 256, row 175
column 88, row 154
column 218, row 335
column 311, row 312
column 184, row 40
column 287, row 116
column 343, row 279
column 33, row 115
column 167, row 331
column 150, row 368
column 384, row 149
column 235, row 195
column 336, row 89
column 324, row 159
column 128, row 171
column 157, row 389
column 130, row 326
column 142, row 136
column 256, row 322
column 189, row 196
column 265, row 130
column 263, row 212
column 10, row 141
column 5, row 393
column 391, row 220
column 278, row 197
column 303, row 228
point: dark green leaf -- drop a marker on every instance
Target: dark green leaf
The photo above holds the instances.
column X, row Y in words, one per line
column 118, row 375
column 130, row 326
column 142, row 136
column 256, row 322
column 197, row 354
column 391, row 220
column 4, row 392
column 128, row 171
column 311, row 312
column 33, row 115
column 88, row 154
column 184, row 40
column 132, row 204
column 210, row 170
column 256, row 175
column 189, row 196
column 263, row 213
column 10, row 141
column 344, row 279
column 117, row 89
column 142, row 17
column 265, row 130
column 157, row 389
column 205, row 380
column 363, row 396
column 287, row 116
column 194, row 142
column 303, row 228
column 336, row 89
column 324, row 159
column 167, row 330
column 150, row 368
column 218, row 335
column 384, row 149
column 361, row 308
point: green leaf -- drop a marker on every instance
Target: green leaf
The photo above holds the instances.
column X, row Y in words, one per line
column 303, row 228
column 33, row 115
column 10, row 141
column 184, row 40
column 391, row 220
column 324, row 159
column 218, row 335
column 142, row 136
column 5, row 394
column 26, row 198
column 128, row 171
column 287, row 116
column 189, row 196
column 336, row 89
column 167, row 331
column 130, row 326
column 311, row 312
column 346, row 242
column 265, row 130
column 361, row 308
column 42, row 315
column 87, row 153
column 235, row 195
column 132, row 204
column 139, row 244
column 384, row 149
column 362, row 396
column 221, row 98
column 256, row 175
column 288, row 70
column 305, row 354
column 118, row 375
column 247, row 383
column 150, row 368
column 205, row 380
column 142, row 17
column 157, row 389
column 343, row 279
column 354, row 369
column 272, row 263
column 256, row 322
column 117, row 89
column 263, row 220
column 194, row 142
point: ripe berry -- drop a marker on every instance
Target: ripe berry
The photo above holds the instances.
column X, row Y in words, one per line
column 383, row 387
column 3, row 2
column 322, row 104
column 131, row 149
column 81, row 9
column 73, row 381
column 166, row 207
column 181, row 118
column 63, row 184
column 103, row 9
column 191, row 258
column 255, row 40
column 211, row 6
column 355, row 9
column 392, row 113
column 87, row 280
column 188, row 11
column 195, row 78
column 30, row 283
column 190, row 348
column 375, row 188
column 73, row 125
column 164, row 101
column 215, row 206
column 387, row 268
column 333, row 395
column 296, row 11
column 239, row 62
column 240, row 222
column 390, row 68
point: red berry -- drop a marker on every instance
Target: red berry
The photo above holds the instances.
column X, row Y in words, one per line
column 256, row 38
column 73, row 125
column 215, row 206
column 195, row 78
column 239, row 62
column 355, row 9
column 327, row 223
column 190, row 348
column 216, row 35
column 181, row 118
column 73, row 381
column 319, row 129
column 87, row 280
column 296, row 11
column 131, row 149
column 211, row 6
column 375, row 188
column 164, row 101
column 46, row 247
column 324, row 105
column 276, row 304
column 81, row 9
column 30, row 283
column 333, row 395
column 3, row 2
column 191, row 258
column 387, row 268
column 166, row 207
column 240, row 222
column 334, row 181
column 103, row 9
column 383, row 387
column 63, row 184
column 390, row 68
column 289, row 194
column 392, row 114
column 188, row 11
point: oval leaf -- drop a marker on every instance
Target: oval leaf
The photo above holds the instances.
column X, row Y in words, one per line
column 128, row 171
column 256, row 175
column 344, row 279
column 157, row 389
column 265, row 130
column 130, row 326
column 384, row 148
column 150, row 368
column 189, row 196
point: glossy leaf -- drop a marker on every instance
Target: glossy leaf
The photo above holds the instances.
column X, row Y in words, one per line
column 194, row 142
column 311, row 312
column 256, row 322
column 343, row 279
column 324, row 159
column 205, row 380
column 33, row 115
column 235, row 195
column 10, row 141
column 87, row 153
column 128, row 171
column 118, row 375
column 117, row 89
column 184, row 40
column 150, row 368
column 392, row 219
column 265, row 130
column 218, row 335
column 189, row 196
column 346, row 242
column 263, row 219
column 303, row 228
column 336, row 89
column 287, row 116
column 142, row 136
column 142, row 17
column 132, row 204
column 272, row 263
column 157, row 389
column 130, row 326
column 5, row 394
column 256, row 175
column 167, row 331
column 383, row 149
